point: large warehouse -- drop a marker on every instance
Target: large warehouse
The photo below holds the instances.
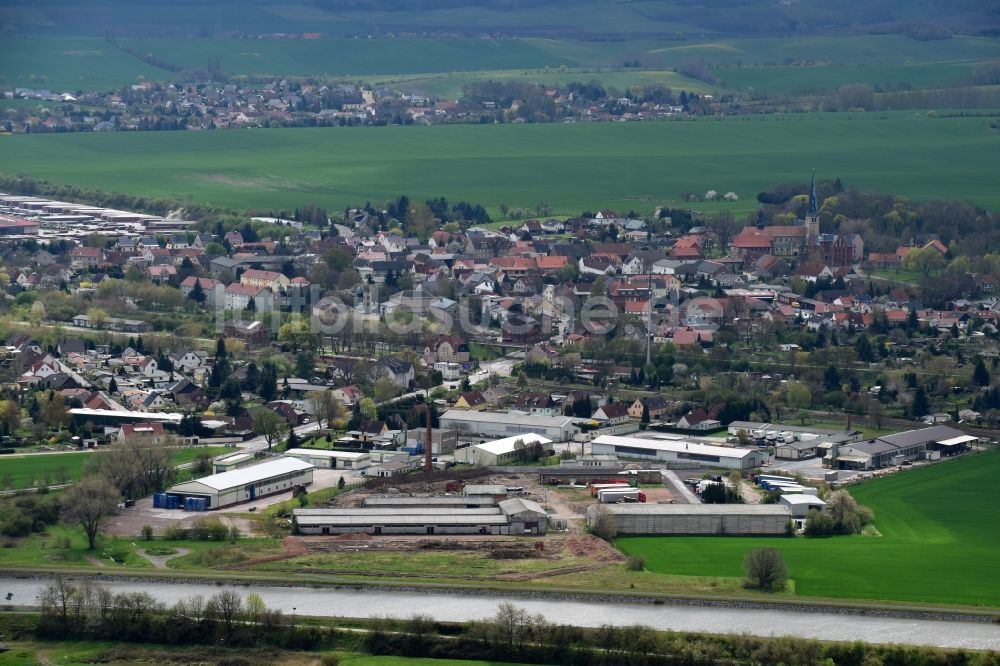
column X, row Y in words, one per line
column 705, row 519
column 245, row 484
column 498, row 452
column 439, row 502
column 510, row 517
column 673, row 450
column 488, row 425
column 326, row 459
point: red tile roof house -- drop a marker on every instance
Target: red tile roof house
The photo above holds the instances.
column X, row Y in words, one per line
column 612, row 414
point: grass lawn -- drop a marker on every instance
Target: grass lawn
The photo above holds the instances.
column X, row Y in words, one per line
column 190, row 454
column 571, row 167
column 46, row 550
column 441, row 564
column 896, row 275
column 43, row 469
column 85, row 653
column 939, row 542
column 54, row 468
column 868, row 432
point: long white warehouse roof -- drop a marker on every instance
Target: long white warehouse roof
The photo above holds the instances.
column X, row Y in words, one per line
column 126, row 414
column 326, row 453
column 504, row 417
column 674, row 446
column 251, row 474
column 499, row 447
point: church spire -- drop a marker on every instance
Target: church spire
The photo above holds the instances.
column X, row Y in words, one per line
column 813, row 208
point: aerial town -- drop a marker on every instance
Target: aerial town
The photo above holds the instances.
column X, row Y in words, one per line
column 499, row 331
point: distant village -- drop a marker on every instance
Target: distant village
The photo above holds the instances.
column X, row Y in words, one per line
column 151, row 106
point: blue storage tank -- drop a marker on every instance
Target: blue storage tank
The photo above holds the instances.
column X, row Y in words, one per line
column 159, row 500
column 172, row 501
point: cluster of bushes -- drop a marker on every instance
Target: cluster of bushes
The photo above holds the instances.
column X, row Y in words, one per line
column 843, row 515
column 89, row 612
column 202, row 529
column 514, row 635
column 25, row 514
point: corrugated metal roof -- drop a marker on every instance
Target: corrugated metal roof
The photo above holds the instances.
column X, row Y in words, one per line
column 401, row 511
column 504, row 417
column 325, row 453
column 673, row 446
column 696, row 509
column 408, row 520
column 429, row 501
column 248, row 475
column 499, row 447
column 920, row 436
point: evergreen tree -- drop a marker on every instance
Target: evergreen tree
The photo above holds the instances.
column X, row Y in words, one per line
column 980, row 375
column 920, row 405
column 831, row 378
column 268, row 388
column 197, row 293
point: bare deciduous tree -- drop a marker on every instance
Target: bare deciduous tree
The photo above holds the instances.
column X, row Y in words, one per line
column 765, row 568
column 89, row 503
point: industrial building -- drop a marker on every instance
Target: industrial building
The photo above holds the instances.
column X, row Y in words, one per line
column 498, row 452
column 474, row 425
column 510, row 517
column 228, row 463
column 441, row 502
column 705, row 519
column 800, row 505
column 245, row 484
column 325, row 459
column 673, row 450
column 895, row 449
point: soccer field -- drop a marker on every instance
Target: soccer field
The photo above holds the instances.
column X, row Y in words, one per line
column 572, row 167
column 940, row 530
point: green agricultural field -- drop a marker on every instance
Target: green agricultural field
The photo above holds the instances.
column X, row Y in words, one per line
column 572, row 167
column 69, row 64
column 939, row 542
column 43, row 469
column 52, row 468
column 807, row 80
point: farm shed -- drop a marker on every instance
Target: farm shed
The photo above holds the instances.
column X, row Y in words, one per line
column 325, row 459
column 510, row 517
column 672, row 450
column 800, row 505
column 473, row 425
column 704, row 519
column 498, row 452
column 797, row 450
column 245, row 484
column 232, row 461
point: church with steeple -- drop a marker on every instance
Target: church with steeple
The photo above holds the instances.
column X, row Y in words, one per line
column 812, row 214
column 801, row 240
